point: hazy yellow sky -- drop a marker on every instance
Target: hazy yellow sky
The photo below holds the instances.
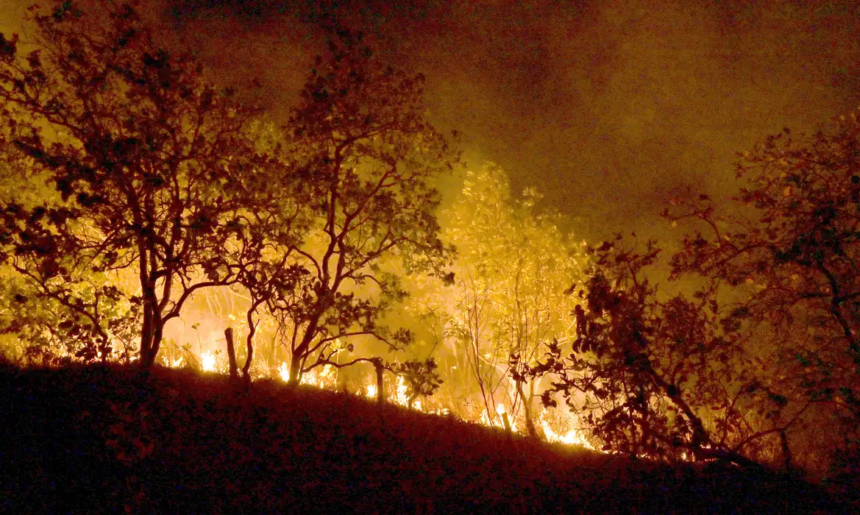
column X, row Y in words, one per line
column 608, row 107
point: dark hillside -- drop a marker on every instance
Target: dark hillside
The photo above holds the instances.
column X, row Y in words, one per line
column 95, row 439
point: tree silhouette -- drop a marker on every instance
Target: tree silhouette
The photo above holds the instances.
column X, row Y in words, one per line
column 148, row 159
column 789, row 253
column 365, row 159
column 668, row 379
column 763, row 357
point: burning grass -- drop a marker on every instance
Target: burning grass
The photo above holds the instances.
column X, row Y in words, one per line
column 107, row 439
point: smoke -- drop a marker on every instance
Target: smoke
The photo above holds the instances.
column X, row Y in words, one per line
column 609, row 108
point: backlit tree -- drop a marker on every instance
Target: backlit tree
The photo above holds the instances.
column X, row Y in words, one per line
column 366, row 159
column 148, row 160
column 789, row 253
column 761, row 364
column 512, row 268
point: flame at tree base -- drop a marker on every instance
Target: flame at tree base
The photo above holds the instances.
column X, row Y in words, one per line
column 326, row 378
column 572, row 437
column 207, row 361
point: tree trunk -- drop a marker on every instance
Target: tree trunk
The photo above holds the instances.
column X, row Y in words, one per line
column 527, row 411
column 295, row 370
column 249, row 344
column 299, row 354
column 146, row 360
column 156, row 338
column 231, row 353
column 538, row 427
column 148, row 352
column 380, row 384
column 150, row 340
column 246, row 370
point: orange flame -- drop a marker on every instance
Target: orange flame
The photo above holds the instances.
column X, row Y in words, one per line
column 326, row 378
column 207, row 361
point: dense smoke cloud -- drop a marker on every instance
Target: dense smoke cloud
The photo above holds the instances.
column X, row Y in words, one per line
column 608, row 108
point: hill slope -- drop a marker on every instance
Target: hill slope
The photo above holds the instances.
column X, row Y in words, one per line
column 106, row 439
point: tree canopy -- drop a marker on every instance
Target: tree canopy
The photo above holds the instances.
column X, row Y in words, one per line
column 146, row 156
column 763, row 356
column 512, row 266
column 164, row 184
column 365, row 160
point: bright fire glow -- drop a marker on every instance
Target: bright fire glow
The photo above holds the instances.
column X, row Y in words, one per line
column 284, row 372
column 572, row 437
column 326, row 377
column 207, row 361
column 498, row 421
column 370, row 392
column 321, row 379
column 402, row 398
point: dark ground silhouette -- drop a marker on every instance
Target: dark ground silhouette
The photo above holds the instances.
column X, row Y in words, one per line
column 107, row 439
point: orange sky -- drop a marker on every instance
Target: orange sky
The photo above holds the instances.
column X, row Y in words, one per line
column 607, row 107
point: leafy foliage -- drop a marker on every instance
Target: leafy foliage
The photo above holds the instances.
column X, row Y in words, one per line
column 146, row 158
column 512, row 267
column 660, row 378
column 365, row 159
column 763, row 355
column 789, row 253
column 420, row 377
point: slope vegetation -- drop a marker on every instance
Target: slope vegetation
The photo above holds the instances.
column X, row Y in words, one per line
column 109, row 439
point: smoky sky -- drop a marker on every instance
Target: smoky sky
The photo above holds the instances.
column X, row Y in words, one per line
column 608, row 108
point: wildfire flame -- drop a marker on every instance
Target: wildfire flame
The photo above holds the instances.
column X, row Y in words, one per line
column 284, row 372
column 572, row 437
column 326, row 377
column 371, row 391
column 207, row 361
column 321, row 379
column 401, row 396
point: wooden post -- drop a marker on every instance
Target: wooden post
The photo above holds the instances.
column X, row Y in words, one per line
column 231, row 353
column 506, row 421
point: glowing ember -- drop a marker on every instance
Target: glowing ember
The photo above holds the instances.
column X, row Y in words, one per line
column 572, row 437
column 498, row 421
column 207, row 361
column 321, row 379
column 371, row 391
column 401, row 398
